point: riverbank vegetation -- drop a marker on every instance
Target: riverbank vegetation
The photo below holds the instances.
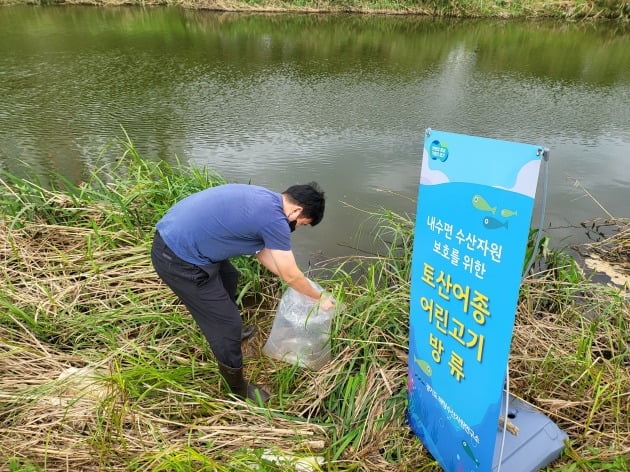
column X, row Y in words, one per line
column 102, row 369
column 574, row 9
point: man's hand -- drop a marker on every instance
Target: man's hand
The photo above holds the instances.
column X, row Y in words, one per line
column 282, row 263
column 326, row 302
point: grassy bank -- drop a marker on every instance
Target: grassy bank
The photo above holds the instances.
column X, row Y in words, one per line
column 612, row 9
column 101, row 368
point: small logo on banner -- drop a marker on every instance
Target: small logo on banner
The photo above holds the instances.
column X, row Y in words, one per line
column 438, row 151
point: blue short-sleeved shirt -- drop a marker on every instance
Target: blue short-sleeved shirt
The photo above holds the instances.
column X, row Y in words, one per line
column 225, row 221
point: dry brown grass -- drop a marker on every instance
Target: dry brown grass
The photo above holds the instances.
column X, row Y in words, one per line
column 100, row 369
column 612, row 9
column 73, row 395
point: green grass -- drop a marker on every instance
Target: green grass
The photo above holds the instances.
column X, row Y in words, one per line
column 102, row 369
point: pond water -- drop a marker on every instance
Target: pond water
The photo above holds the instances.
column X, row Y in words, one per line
column 340, row 99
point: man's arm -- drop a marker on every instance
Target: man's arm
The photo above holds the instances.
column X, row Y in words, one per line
column 264, row 257
column 282, row 263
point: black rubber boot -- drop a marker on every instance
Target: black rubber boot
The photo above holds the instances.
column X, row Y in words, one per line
column 241, row 387
column 247, row 332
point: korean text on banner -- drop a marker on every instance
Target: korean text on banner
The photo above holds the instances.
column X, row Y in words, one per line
column 475, row 203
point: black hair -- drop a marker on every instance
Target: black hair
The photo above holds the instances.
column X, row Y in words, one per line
column 311, row 198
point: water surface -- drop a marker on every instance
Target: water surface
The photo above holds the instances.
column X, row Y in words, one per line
column 341, row 99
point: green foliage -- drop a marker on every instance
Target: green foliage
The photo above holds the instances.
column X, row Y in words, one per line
column 134, row 193
column 18, row 465
column 618, row 464
column 80, row 292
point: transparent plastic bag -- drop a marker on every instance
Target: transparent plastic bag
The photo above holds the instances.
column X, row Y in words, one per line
column 300, row 333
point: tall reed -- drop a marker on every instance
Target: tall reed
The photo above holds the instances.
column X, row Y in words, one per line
column 102, row 369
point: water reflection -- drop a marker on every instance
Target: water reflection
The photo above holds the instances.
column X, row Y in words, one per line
column 342, row 99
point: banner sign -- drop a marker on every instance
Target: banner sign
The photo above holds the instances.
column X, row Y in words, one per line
column 475, row 203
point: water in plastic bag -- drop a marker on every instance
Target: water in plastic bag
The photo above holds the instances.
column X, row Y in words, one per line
column 300, row 333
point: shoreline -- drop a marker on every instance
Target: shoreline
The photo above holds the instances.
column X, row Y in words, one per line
column 572, row 10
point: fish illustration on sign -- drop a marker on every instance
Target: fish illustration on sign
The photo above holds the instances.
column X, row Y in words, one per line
column 481, row 204
column 493, row 223
column 505, row 213
column 424, row 365
column 468, row 451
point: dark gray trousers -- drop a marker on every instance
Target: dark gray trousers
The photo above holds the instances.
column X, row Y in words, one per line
column 209, row 294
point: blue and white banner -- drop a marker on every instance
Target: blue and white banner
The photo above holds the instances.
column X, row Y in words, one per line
column 475, row 203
